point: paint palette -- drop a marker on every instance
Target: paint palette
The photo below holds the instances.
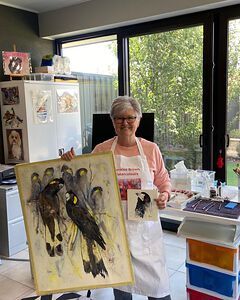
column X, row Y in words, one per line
column 179, row 198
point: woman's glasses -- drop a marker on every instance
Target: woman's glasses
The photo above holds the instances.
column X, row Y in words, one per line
column 120, row 120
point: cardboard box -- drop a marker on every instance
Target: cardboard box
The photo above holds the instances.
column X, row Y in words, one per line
column 44, row 69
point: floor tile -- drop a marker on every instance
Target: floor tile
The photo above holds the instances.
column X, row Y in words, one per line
column 171, row 238
column 178, row 286
column 11, row 289
column 175, row 256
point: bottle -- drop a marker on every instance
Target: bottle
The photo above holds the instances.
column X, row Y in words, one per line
column 219, row 188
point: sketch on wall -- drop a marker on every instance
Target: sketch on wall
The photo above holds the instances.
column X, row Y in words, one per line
column 10, row 95
column 67, row 101
column 15, row 144
column 74, row 223
column 141, row 205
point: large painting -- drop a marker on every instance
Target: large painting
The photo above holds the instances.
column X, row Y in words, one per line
column 74, row 223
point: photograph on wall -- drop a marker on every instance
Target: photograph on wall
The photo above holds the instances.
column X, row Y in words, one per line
column 67, row 101
column 10, row 96
column 16, row 63
column 14, row 144
column 141, row 205
column 42, row 106
column 11, row 119
column 74, row 224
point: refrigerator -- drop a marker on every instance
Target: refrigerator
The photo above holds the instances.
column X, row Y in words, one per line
column 40, row 119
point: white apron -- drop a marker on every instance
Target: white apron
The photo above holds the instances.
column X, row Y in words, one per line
column 145, row 237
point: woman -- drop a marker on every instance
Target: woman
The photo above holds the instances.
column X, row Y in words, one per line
column 143, row 168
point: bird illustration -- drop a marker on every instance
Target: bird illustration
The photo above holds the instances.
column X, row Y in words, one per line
column 49, row 208
column 96, row 199
column 91, row 238
column 143, row 202
column 82, row 182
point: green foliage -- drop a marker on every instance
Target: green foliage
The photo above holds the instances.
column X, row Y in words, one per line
column 166, row 76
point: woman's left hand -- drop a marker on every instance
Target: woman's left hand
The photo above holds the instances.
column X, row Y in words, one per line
column 162, row 200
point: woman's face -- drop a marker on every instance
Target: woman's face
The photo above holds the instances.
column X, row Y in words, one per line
column 126, row 123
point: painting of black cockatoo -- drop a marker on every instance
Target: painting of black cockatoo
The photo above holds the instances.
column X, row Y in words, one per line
column 74, row 223
column 141, row 205
column 44, row 196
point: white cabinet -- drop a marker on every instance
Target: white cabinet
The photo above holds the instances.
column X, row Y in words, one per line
column 12, row 230
column 38, row 119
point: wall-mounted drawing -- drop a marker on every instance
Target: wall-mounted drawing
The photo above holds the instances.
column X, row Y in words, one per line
column 67, row 101
column 15, row 145
column 11, row 119
column 10, row 95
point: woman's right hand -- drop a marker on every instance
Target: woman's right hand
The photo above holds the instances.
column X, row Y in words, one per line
column 69, row 155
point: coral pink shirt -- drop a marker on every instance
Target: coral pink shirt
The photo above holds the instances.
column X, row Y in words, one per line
column 154, row 158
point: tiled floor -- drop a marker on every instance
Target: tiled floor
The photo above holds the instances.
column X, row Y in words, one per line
column 16, row 282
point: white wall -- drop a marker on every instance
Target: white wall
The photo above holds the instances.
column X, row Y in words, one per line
column 103, row 14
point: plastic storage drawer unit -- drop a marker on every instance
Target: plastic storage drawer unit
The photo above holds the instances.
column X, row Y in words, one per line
column 211, row 280
column 195, row 295
column 211, row 254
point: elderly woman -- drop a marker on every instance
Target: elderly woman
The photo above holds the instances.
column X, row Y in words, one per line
column 143, row 168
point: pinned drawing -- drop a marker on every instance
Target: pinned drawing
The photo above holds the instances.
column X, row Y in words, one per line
column 67, row 101
column 141, row 205
column 74, row 223
column 11, row 119
column 10, row 95
column 14, row 143
column 42, row 106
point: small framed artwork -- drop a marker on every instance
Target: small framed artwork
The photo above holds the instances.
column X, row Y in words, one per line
column 16, row 63
column 141, row 205
column 10, row 95
column 74, row 223
column 14, row 144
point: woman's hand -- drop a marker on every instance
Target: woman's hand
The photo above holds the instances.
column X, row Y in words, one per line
column 69, row 155
column 162, row 200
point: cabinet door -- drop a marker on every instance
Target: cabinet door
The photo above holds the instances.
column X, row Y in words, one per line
column 41, row 121
column 68, row 117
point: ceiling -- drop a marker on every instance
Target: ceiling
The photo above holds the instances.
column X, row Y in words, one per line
column 39, row 6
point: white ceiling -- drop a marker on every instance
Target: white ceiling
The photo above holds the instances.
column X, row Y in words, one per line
column 39, row 6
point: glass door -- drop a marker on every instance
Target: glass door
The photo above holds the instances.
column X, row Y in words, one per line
column 95, row 63
column 166, row 75
column 233, row 101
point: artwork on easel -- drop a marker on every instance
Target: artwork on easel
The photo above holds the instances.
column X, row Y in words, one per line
column 14, row 144
column 16, row 63
column 74, row 224
column 10, row 95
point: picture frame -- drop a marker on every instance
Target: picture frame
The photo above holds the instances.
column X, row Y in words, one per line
column 16, row 63
column 142, row 205
column 74, row 224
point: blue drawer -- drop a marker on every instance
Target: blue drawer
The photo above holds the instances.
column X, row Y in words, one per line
column 211, row 280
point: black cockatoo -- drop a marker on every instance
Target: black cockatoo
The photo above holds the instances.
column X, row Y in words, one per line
column 91, row 237
column 143, row 202
column 49, row 207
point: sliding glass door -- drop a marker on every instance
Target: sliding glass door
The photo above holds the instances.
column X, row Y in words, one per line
column 166, row 75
